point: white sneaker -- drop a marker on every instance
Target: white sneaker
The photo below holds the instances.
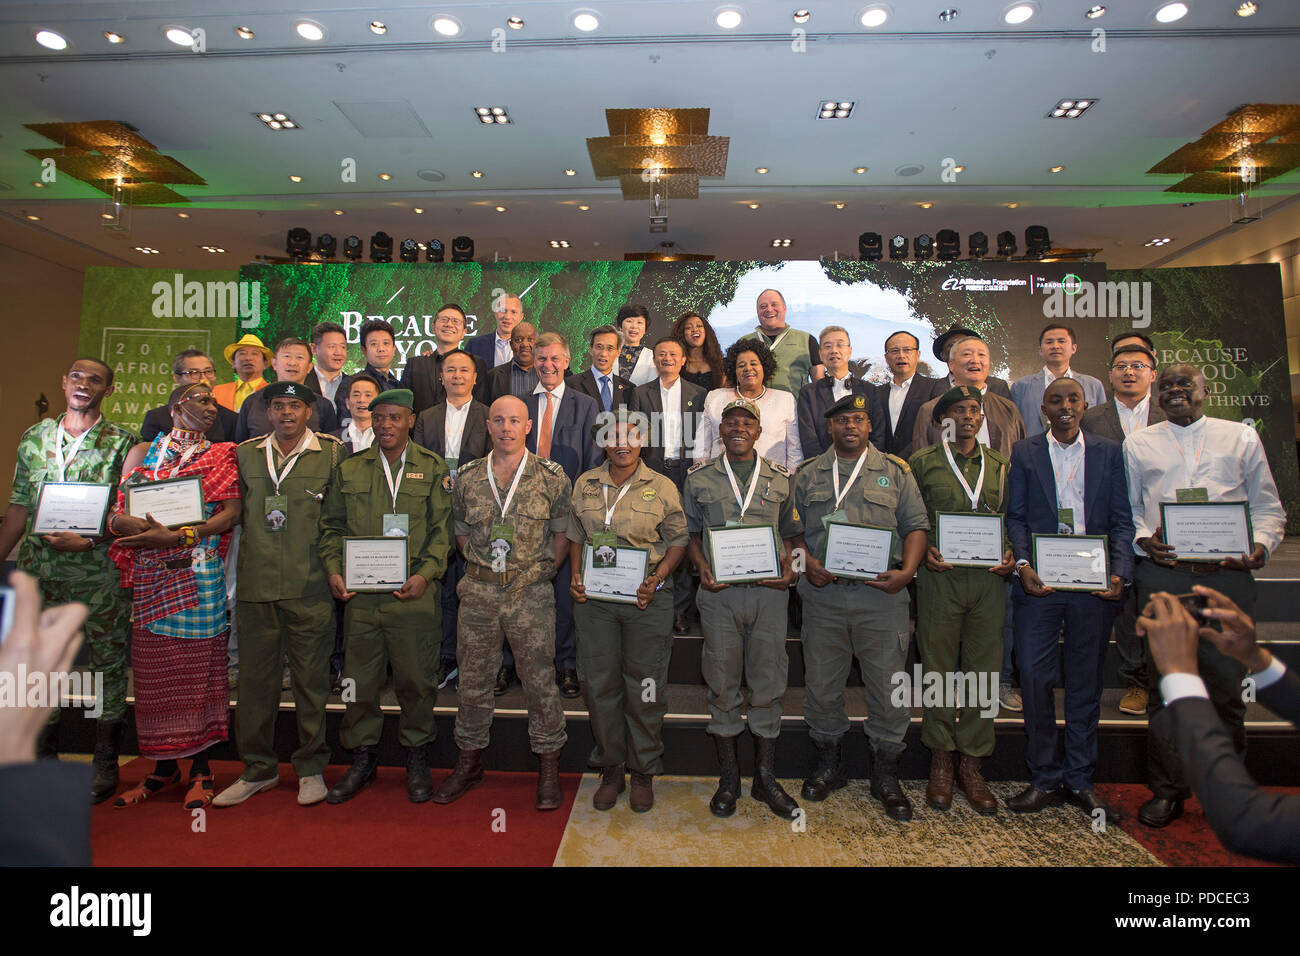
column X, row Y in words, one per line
column 311, row 790
column 241, row 790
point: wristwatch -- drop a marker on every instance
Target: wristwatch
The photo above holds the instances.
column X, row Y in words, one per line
column 662, row 582
column 1022, row 563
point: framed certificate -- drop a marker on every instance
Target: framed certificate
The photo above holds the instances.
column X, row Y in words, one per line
column 744, row 553
column 1207, row 530
column 374, row 564
column 71, row 506
column 173, row 502
column 969, row 540
column 618, row 583
column 1072, row 562
column 858, row 551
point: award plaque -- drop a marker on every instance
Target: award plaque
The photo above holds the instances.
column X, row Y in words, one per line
column 1072, row 562
column 374, row 564
column 744, row 553
column 970, row 540
column 174, row 502
column 71, row 506
column 1207, row 530
column 858, row 551
column 617, row 583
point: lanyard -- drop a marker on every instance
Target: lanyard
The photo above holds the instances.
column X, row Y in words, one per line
column 609, row 509
column 979, row 484
column 162, row 455
column 857, row 470
column 452, row 433
column 75, row 447
column 778, row 340
column 492, row 483
column 1191, row 469
column 388, row 477
column 1069, row 479
column 735, row 488
column 289, row 462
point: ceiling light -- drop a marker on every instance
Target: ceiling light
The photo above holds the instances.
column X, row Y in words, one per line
column 147, row 250
column 1095, row 11
column 1171, row 12
column 1013, row 205
column 502, row 119
column 1247, row 9
column 840, row 205
column 182, row 215
column 761, row 170
column 378, row 27
column 781, row 243
column 1070, row 108
column 835, row 109
column 874, row 16
column 179, row 35
column 860, row 170
column 338, row 212
column 275, row 124
column 385, row 176
column 295, row 179
column 802, row 16
column 515, row 23
column 477, row 174
column 418, row 211
column 310, row 30
column 277, row 120
column 583, row 208
column 212, row 249
column 112, row 37
column 33, row 218
column 949, row 15
column 586, row 22
column 501, row 208
column 926, row 205
column 728, row 18
column 446, row 26
column 559, row 243
column 107, row 215
column 1162, row 241
column 244, row 33
column 1018, row 13
column 288, row 125
column 39, row 185
column 492, row 114
column 753, row 205
column 959, row 169
column 1055, row 169
column 264, row 117
column 570, row 172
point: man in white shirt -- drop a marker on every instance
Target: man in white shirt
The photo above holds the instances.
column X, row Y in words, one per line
column 820, row 394
column 329, row 347
column 357, row 434
column 1191, row 458
column 494, row 348
column 1056, row 346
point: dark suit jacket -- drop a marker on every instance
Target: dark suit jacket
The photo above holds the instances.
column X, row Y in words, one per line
column 647, row 400
column 1104, row 419
column 159, row 420
column 811, row 403
column 621, row 388
column 254, row 420
column 1248, row 820
column 1031, row 505
column 885, row 436
column 423, row 376
column 44, row 814
column 498, row 384
column 483, row 346
column 573, row 446
column 313, row 381
column 1005, row 425
column 431, row 432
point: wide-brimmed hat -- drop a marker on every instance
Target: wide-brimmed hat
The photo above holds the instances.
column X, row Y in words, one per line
column 249, row 341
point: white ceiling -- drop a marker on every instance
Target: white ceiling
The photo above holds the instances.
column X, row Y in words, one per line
column 974, row 89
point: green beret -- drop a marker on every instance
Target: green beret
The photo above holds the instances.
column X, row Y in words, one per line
column 849, row 403
column 741, row 404
column 394, row 396
column 954, row 395
column 288, row 390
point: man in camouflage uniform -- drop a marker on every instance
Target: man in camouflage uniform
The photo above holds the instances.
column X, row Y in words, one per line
column 844, row 617
column 511, row 510
column 744, row 624
column 78, row 446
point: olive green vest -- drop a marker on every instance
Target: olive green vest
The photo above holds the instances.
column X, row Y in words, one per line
column 792, row 360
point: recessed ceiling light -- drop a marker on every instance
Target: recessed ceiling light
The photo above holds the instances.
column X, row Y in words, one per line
column 489, row 115
column 477, row 174
column 515, row 23
column 1162, row 241
column 378, row 27
column 570, row 172
column 559, row 243
column 1247, row 9
column 446, row 26
column 1070, row 108
column 1055, row 169
column 753, row 205
column 583, row 208
column 802, row 16
column 586, row 22
column 1013, row 205
column 212, row 249
column 338, row 212
column 835, row 109
column 781, row 243
column 295, row 179
column 107, row 215
column 244, row 33
column 926, row 205
column 112, row 37
column 418, row 211
column 959, row 169
column 1095, row 11
column 840, row 205
column 33, row 218
column 728, row 18
column 179, row 35
column 1018, row 13
column 385, row 176
column 310, row 30
column 949, row 15
column 761, row 170
column 874, row 15
column 1171, row 12
column 501, row 208
column 182, row 215
column 860, row 170
column 147, row 250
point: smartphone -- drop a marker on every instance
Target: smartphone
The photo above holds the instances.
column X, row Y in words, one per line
column 6, row 612
column 1195, row 603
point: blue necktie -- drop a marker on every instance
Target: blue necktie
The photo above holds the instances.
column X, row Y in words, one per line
column 606, row 398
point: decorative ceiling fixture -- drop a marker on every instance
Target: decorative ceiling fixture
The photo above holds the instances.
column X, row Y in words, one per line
column 1256, row 143
column 492, row 115
column 277, row 121
column 664, row 151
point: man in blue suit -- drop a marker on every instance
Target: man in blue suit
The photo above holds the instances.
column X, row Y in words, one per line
column 1061, row 485
column 1057, row 345
column 564, row 432
column 493, row 347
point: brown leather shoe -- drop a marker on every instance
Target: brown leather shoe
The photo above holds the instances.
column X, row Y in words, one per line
column 1134, row 701
column 611, row 785
column 548, row 782
column 642, row 797
column 971, row 783
column 467, row 775
column 938, row 792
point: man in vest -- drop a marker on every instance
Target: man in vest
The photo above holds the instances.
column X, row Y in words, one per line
column 798, row 358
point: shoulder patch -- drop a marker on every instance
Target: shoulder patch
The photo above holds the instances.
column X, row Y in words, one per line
column 550, row 466
column 327, row 435
column 777, row 467
column 899, row 462
column 697, row 466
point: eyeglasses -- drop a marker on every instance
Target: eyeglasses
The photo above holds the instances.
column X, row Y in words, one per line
column 1138, row 367
column 198, row 372
column 901, row 351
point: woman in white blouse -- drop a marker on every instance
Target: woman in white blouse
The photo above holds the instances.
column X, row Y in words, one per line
column 750, row 364
column 635, row 361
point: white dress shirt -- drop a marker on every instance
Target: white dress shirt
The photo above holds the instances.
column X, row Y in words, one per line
column 1068, row 469
column 1131, row 419
column 453, row 429
column 672, row 421
column 557, row 394
column 329, row 386
column 502, row 352
column 841, row 387
column 1177, row 686
column 779, row 418
column 360, row 440
column 1225, row 458
column 897, row 396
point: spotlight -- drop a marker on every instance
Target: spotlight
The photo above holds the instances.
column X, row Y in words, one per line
column 433, row 250
column 869, row 247
column 1006, row 244
column 979, row 245
column 948, row 243
column 1037, row 242
column 352, row 248
column 923, row 246
column 898, row 247
column 381, row 247
column 298, row 242
column 462, row 249
column 326, row 245
column 410, row 251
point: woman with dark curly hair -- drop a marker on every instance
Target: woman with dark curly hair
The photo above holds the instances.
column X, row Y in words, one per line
column 703, row 353
column 751, row 366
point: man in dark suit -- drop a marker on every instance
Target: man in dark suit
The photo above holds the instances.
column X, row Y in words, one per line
column 423, row 373
column 943, row 348
column 379, row 346
column 673, row 406
column 1247, row 820
column 611, row 392
column 329, row 350
column 896, row 403
column 189, row 367
column 1132, row 373
column 1063, row 485
column 564, row 433
column 517, row 376
column 820, row 394
column 495, row 348
column 291, row 362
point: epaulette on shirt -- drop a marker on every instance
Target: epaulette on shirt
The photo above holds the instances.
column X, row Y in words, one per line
column 777, row 467
column 254, row 438
column 698, row 465
column 899, row 462
column 470, row 465
column 329, row 436
column 807, row 461
column 550, row 466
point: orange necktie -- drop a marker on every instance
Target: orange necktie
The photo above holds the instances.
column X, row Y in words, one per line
column 544, row 437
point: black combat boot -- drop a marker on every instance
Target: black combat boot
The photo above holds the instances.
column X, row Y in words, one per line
column 108, row 744
column 885, row 786
column 723, row 803
column 828, row 776
column 419, row 779
column 766, row 788
column 365, row 765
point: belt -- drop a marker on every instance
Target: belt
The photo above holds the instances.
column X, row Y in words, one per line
column 481, row 572
column 673, row 461
column 1191, row 567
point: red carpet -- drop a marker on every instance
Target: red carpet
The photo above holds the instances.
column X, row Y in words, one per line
column 1188, row 841
column 380, row 827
